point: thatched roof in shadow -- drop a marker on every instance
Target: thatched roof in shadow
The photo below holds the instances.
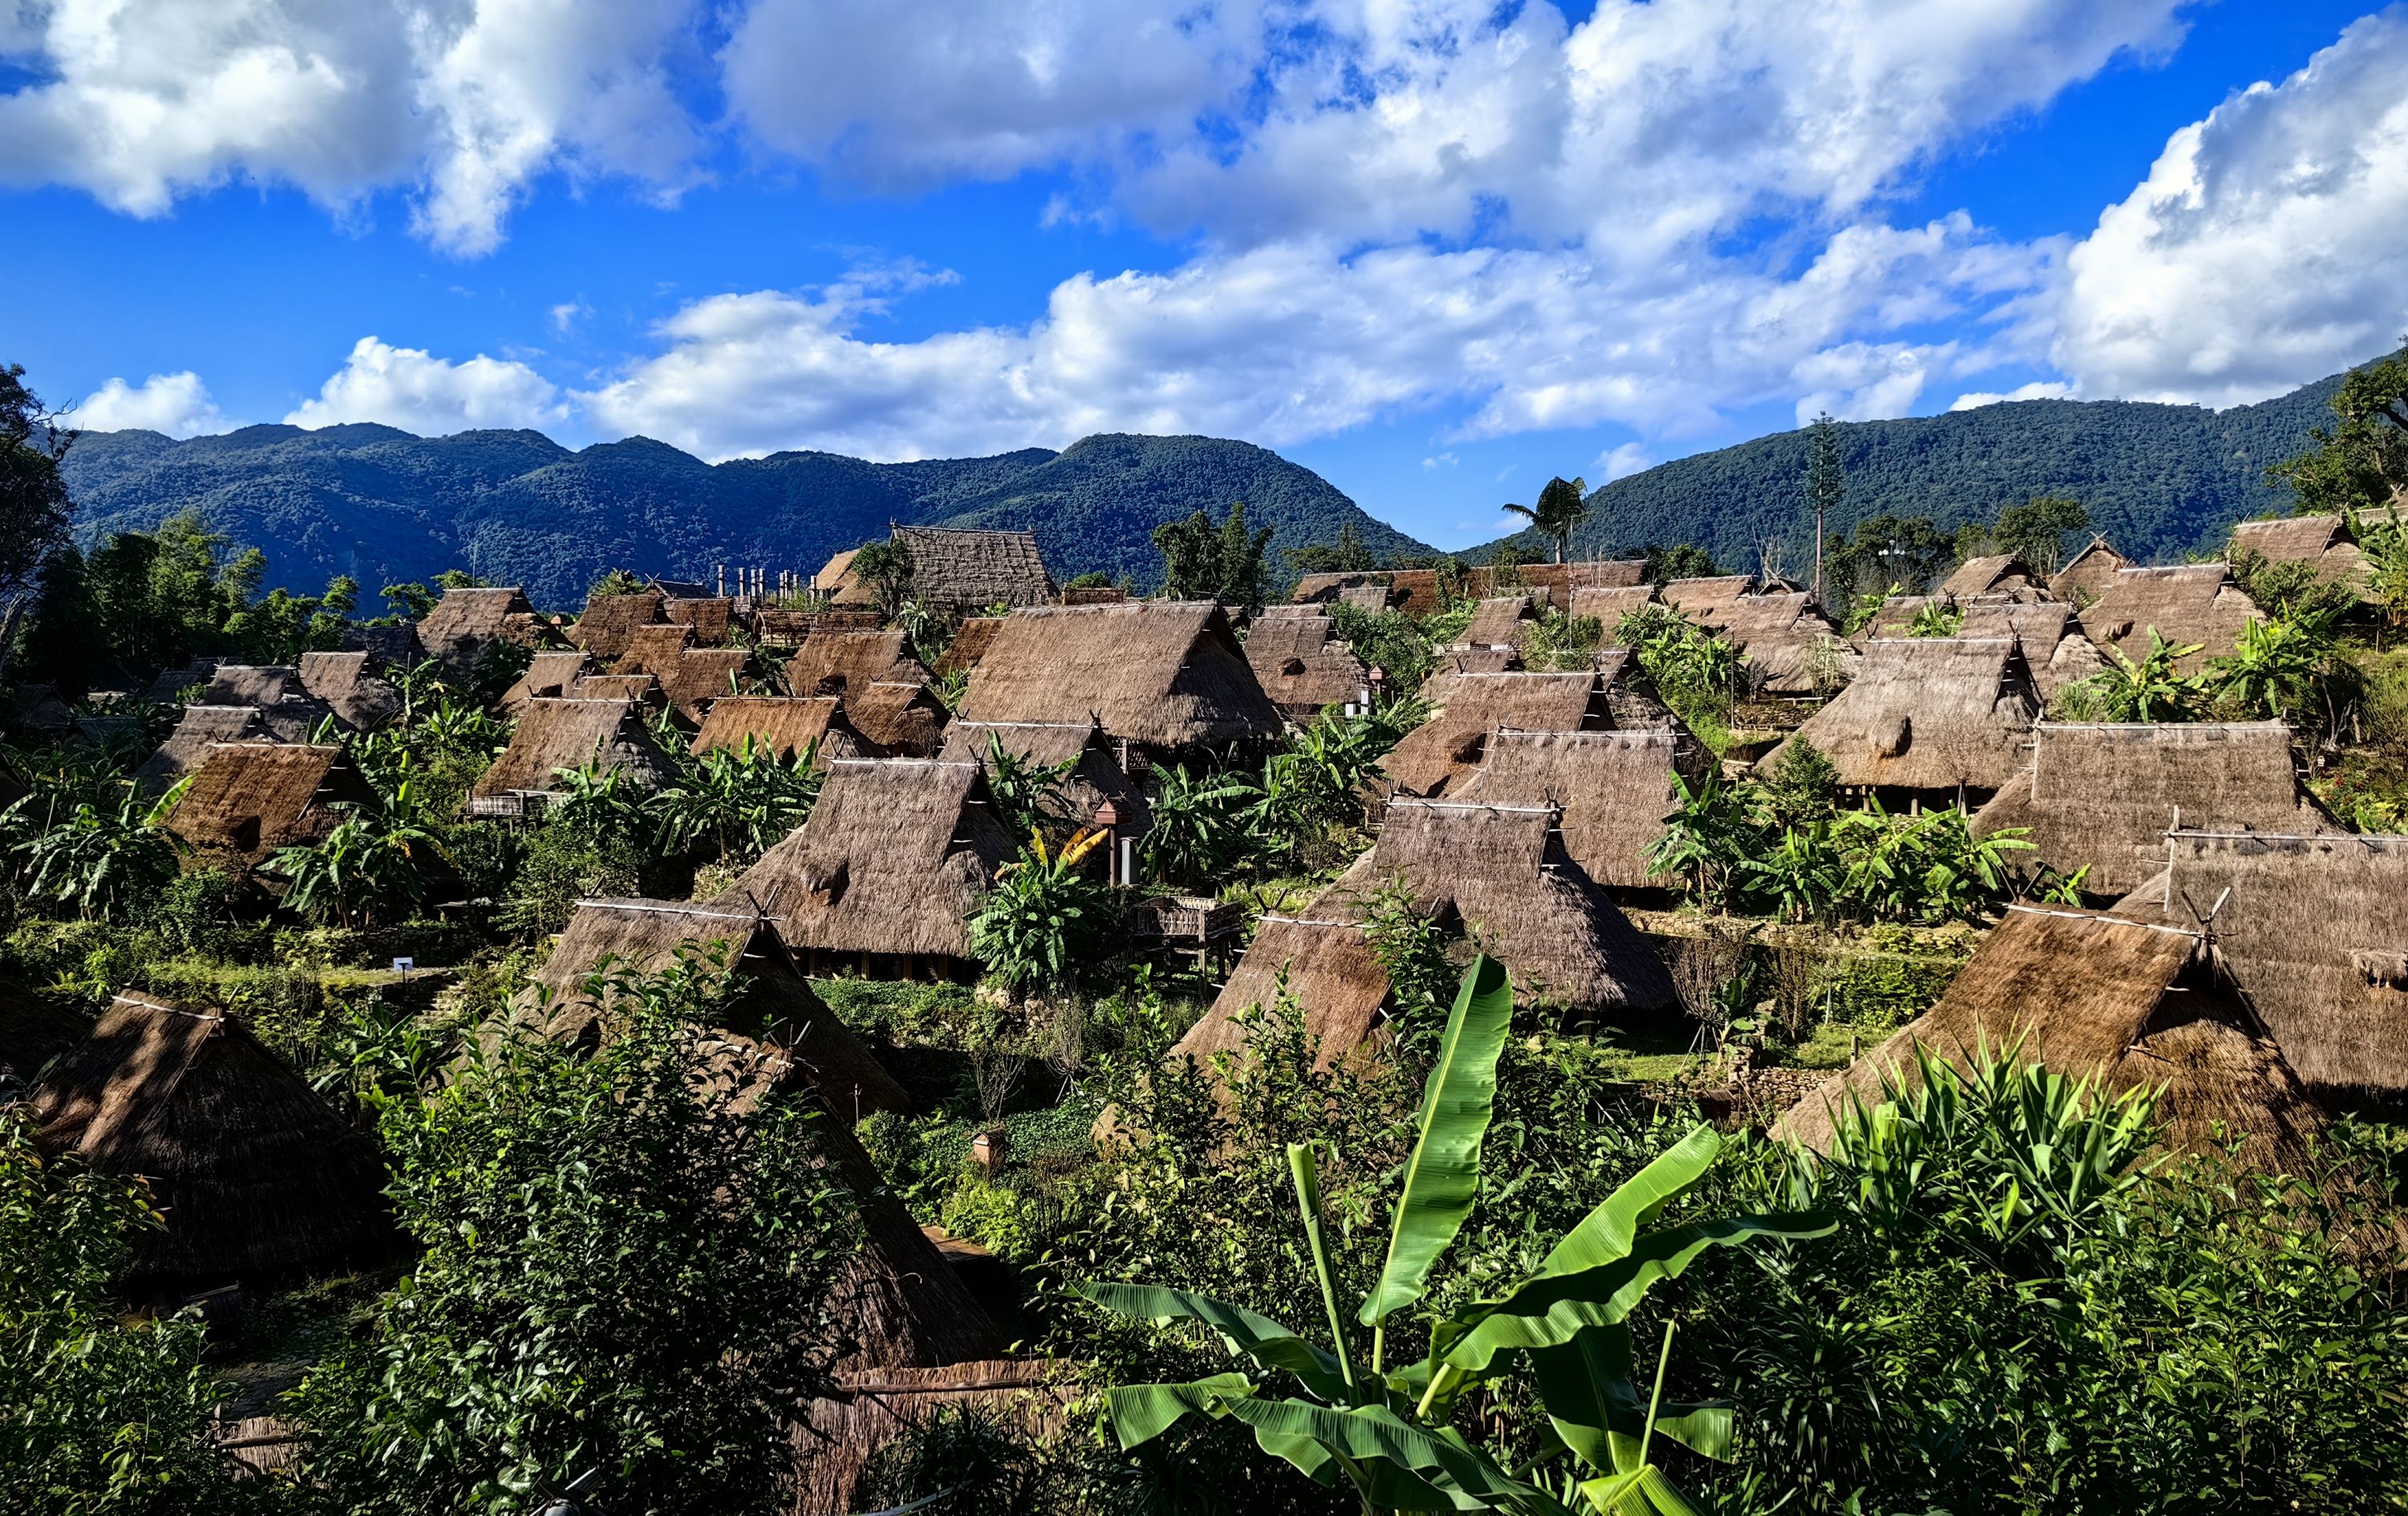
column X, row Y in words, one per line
column 172, row 682
column 548, row 675
column 1929, row 713
column 839, row 1435
column 2325, row 541
column 779, row 725
column 703, row 675
column 901, row 716
column 1780, row 637
column 1499, row 622
column 969, row 645
column 773, row 1002
column 893, row 859
column 608, row 736
column 1444, row 750
column 1607, row 606
column 1328, row 967
column 2312, row 927
column 2187, row 604
column 33, row 1032
column 251, row 798
column 2088, row 573
column 197, row 730
column 273, row 689
column 834, row 661
column 2132, row 1002
column 711, row 616
column 1614, row 789
column 1096, row 774
column 956, row 572
column 1165, row 673
column 1631, row 695
column 1300, row 663
column 1999, row 573
column 653, row 649
column 464, row 623
column 608, row 623
column 1320, row 589
column 259, row 1176
column 2105, row 795
column 344, row 684
column 1702, row 600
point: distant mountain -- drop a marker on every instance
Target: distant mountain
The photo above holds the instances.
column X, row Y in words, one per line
column 517, row 507
column 2160, row 480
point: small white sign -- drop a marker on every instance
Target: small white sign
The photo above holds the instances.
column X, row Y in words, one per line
column 403, row 966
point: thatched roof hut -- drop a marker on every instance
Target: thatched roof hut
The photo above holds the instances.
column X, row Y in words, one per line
column 1322, row 589
column 259, row 1176
column 1413, row 592
column 1452, row 664
column 780, row 726
column 1370, row 599
column 1929, row 713
column 653, row 649
column 1499, row 622
column 1504, row 871
column 1703, row 600
column 1607, row 606
column 836, row 574
column 2056, row 648
column 1166, row 674
column 959, row 573
column 1325, row 964
column 1615, row 790
column 1444, row 750
column 1301, row 664
column 832, row 661
column 2326, row 541
column 2104, row 797
column 606, row 625
column 172, row 682
column 710, row 616
column 344, row 684
column 549, row 675
column 465, row 623
column 902, row 716
column 2134, row 1003
column 895, row 856
column 642, row 689
column 2312, row 928
column 199, row 729
column 608, row 736
column 703, row 675
column 1786, row 645
column 969, row 645
column 2088, row 573
column 1096, row 774
column 773, row 1003
column 1998, row 573
column 251, row 798
column 273, row 689
column 2189, row 604
column 33, row 1032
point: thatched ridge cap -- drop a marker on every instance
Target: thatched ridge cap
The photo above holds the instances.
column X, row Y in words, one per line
column 656, row 907
column 2073, row 913
column 1620, row 737
column 895, row 762
column 2371, row 841
column 2172, row 570
column 1411, row 801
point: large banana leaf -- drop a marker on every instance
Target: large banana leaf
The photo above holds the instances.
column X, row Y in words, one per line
column 1259, row 1338
column 1586, row 1386
column 1442, row 1176
column 1141, row 1412
column 1466, row 1480
column 1642, row 1492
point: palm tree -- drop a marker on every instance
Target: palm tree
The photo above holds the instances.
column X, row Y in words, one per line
column 1563, row 505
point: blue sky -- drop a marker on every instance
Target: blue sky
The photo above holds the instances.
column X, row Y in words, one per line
column 1436, row 250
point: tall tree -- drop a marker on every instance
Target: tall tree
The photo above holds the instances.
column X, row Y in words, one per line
column 34, row 506
column 2362, row 463
column 1563, row 505
column 1205, row 561
column 2036, row 530
column 1827, row 483
column 886, row 569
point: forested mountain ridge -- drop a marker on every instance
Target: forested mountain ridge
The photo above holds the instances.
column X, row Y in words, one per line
column 383, row 505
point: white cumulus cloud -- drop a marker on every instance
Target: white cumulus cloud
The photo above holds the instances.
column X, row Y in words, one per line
column 1622, row 462
column 2036, row 390
column 414, row 390
column 175, row 404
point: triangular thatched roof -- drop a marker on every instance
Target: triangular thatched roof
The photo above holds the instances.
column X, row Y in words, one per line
column 653, row 649
column 902, row 716
column 1443, row 751
column 462, row 624
column 2088, row 573
column 711, row 616
column 1702, row 600
column 1164, row 673
column 275, row 691
column 2189, row 604
column 1301, row 664
column 250, row 798
column 345, row 684
column 1998, row 573
column 957, row 573
column 1499, row 622
column 1325, row 964
column 197, row 730
column 548, row 675
column 2088, row 994
column 259, row 1176
column 701, row 677
column 1929, row 713
column 2056, row 648
column 834, row 660
column 969, row 645
column 1096, row 773
column 1452, row 664
column 2326, row 541
column 781, row 726
column 608, row 623
column 2105, row 795
column 640, row 689
column 1615, row 790
column 1788, row 646
column 608, row 736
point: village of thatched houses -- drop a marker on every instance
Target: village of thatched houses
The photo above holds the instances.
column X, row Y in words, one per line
column 2193, row 605
column 553, row 735
column 1944, row 719
column 1165, row 677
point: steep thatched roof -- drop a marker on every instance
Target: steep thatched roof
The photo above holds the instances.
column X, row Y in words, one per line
column 2088, row 573
column 1370, row 599
column 774, row 1003
column 551, row 675
column 2106, row 795
column 2187, row 604
column 893, row 859
column 1095, row 772
column 607, row 735
column 1165, row 673
column 1999, row 573
column 33, row 1032
column 1607, row 606
column 251, row 798
column 781, row 726
column 901, row 716
column 2326, row 541
column 2314, row 929
column 955, row 573
column 1499, row 622
column 832, row 661
column 642, row 689
column 2094, row 995
column 1787, row 644
column 1452, row 664
column 273, row 689
column 258, row 1176
column 711, row 616
column 197, row 730
column 1702, row 600
column 2056, row 648
column 1326, row 965
column 344, row 684
column 835, row 573
column 1301, row 664
column 1504, row 871
column 1615, row 790
column 653, row 649
column 840, row 1434
column 703, row 675
column 1444, row 750
column 465, row 623
column 969, row 645
column 1929, row 713
column 608, row 623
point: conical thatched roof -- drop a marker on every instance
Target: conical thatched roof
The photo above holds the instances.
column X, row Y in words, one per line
column 608, row 623
column 1443, row 751
column 33, row 1032
column 833, row 661
column 969, row 645
column 1614, row 789
column 251, row 798
column 2105, row 795
column 902, row 716
column 197, row 730
column 464, row 623
column 1164, row 673
column 258, row 1176
column 1999, row 573
column 548, row 675
column 1096, row 773
column 2313, row 929
column 606, row 734
column 1499, row 622
column 955, row 573
column 344, row 683
column 892, row 861
column 653, row 649
column 1328, row 966
column 1301, row 665
column 1929, row 713
column 2188, row 604
column 2325, row 541
column 2088, row 573
column 775, row 1003
column 2089, row 994
column 781, row 726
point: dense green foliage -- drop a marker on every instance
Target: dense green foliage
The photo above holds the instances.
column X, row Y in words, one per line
column 33, row 493
column 1202, row 560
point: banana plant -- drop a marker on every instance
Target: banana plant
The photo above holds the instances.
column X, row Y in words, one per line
column 1387, row 1431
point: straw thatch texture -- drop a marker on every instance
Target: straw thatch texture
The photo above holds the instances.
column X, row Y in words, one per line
column 1614, row 789
column 1370, row 599
column 836, row 574
column 606, row 734
column 893, row 859
column 1703, row 600
column 2092, row 994
column 710, row 616
column 1164, row 673
column 969, row 645
column 259, row 1177
column 2106, row 795
column 1499, row 622
column 197, row 730
column 2312, row 927
column 1326, row 965
column 548, row 675
column 653, row 649
column 273, row 689
column 832, row 661
column 1929, row 713
column 773, row 1003
column 172, row 682
column 1607, row 606
column 344, row 684
column 1505, row 872
column 1320, row 589
column 780, row 726
column 2325, row 541
column 1555, row 584
column 1093, row 595
column 841, row 1433
column 703, row 675
column 957, row 573
column 1999, row 573
column 1096, row 774
column 1451, row 665
column 461, row 625
column 1786, row 645
column 2057, row 649
column 251, row 798
column 1412, row 590
column 2089, row 574
column 1301, row 665
column 606, row 625
column 640, row 688
column 2187, row 604
column 33, row 1032
column 1631, row 696
column 901, row 716
column 1444, row 750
